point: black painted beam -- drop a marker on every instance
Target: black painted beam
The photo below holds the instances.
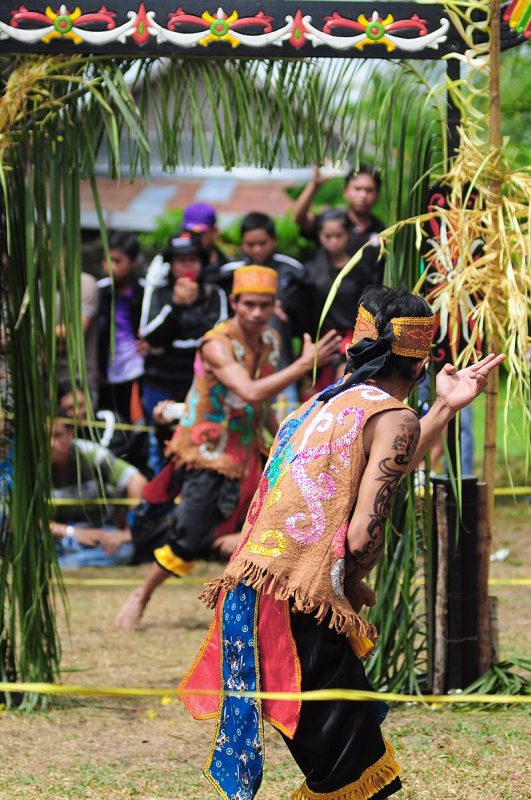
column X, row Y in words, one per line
column 262, row 29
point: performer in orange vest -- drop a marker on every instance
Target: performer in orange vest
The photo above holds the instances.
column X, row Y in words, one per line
column 218, row 443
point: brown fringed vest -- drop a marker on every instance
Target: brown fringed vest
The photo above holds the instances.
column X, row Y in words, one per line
column 218, row 430
column 294, row 537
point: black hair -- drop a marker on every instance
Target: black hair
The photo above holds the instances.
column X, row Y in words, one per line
column 258, row 221
column 365, row 169
column 65, row 387
column 125, row 242
column 372, row 358
column 186, row 243
column 385, row 303
column 333, row 215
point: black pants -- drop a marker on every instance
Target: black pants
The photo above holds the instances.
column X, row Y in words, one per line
column 336, row 741
column 207, row 499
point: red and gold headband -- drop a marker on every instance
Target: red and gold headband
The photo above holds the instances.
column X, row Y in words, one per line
column 257, row 280
column 413, row 335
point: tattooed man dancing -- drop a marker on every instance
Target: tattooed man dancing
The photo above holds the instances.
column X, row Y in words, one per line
column 287, row 605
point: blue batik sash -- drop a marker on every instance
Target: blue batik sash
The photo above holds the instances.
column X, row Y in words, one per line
column 235, row 763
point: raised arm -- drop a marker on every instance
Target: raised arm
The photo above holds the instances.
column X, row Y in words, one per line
column 218, row 357
column 301, row 210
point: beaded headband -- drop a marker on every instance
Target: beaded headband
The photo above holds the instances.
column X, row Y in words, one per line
column 257, row 280
column 413, row 335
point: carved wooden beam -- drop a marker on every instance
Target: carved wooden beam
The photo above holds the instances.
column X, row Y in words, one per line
column 274, row 29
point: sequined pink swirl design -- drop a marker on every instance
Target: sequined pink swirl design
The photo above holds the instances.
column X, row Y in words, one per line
column 323, row 488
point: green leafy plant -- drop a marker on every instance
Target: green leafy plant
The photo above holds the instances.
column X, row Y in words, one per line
column 506, row 677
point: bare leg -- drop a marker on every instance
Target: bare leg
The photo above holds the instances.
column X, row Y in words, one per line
column 133, row 608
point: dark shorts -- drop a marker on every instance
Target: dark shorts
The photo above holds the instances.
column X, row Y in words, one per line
column 206, row 500
column 337, row 741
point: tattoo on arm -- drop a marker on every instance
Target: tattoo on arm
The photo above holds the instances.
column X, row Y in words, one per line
column 404, row 445
column 405, row 442
column 388, row 479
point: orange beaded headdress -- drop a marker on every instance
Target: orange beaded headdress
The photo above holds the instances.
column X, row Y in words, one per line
column 412, row 335
column 258, row 280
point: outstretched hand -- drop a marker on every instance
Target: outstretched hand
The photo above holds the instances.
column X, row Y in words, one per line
column 458, row 389
column 326, row 347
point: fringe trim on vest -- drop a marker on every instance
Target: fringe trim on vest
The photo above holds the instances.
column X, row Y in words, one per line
column 255, row 576
column 375, row 778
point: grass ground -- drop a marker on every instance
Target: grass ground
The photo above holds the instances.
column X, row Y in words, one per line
column 137, row 748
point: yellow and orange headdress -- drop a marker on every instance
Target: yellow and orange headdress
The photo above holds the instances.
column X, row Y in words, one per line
column 412, row 335
column 257, row 280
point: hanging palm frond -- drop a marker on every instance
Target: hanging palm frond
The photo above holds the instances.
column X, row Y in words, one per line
column 41, row 150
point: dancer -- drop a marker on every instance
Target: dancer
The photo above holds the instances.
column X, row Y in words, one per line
column 218, row 443
column 287, row 606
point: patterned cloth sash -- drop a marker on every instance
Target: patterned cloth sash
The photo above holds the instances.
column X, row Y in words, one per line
column 235, row 764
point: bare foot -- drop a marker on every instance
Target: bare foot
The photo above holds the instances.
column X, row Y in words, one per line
column 130, row 613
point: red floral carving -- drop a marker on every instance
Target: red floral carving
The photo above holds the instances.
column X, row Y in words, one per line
column 298, row 31
column 103, row 15
column 141, row 33
column 335, row 20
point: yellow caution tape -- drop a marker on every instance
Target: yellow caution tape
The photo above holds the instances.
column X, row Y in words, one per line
column 126, row 426
column 317, row 695
column 492, row 582
column 95, row 501
column 198, row 581
column 133, row 501
column 512, row 490
column 116, row 582
column 117, row 426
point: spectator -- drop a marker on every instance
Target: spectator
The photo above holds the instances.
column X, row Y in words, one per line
column 129, row 445
column 121, row 367
column 333, row 230
column 90, row 535
column 201, row 218
column 178, row 309
column 218, row 443
column 88, row 310
column 361, row 192
column 259, row 243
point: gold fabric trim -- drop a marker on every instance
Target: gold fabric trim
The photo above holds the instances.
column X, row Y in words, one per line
column 413, row 335
column 365, row 326
column 375, row 778
column 181, row 689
